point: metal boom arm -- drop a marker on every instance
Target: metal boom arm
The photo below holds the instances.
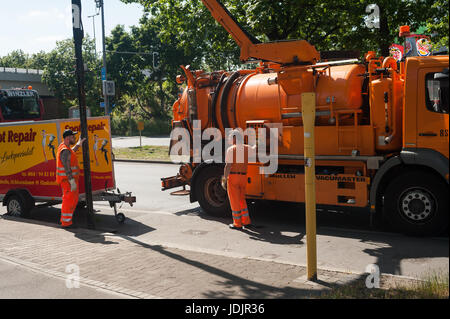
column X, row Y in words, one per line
column 283, row 52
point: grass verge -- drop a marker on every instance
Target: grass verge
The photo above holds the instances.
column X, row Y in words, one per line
column 160, row 153
column 434, row 286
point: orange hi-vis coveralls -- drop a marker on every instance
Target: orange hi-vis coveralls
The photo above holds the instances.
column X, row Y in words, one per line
column 236, row 186
column 69, row 198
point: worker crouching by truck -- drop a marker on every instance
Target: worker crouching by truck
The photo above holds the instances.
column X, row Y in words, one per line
column 67, row 175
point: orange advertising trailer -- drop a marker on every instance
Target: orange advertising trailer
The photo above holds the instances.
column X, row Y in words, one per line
column 28, row 164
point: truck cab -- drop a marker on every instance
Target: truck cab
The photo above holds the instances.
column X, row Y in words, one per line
column 20, row 105
column 426, row 119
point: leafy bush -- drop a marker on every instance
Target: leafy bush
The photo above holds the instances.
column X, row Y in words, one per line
column 121, row 126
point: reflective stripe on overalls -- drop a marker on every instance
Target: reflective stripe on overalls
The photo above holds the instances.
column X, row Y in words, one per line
column 237, row 218
column 236, row 186
column 61, row 173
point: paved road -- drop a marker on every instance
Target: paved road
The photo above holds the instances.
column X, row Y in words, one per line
column 133, row 141
column 132, row 268
column 21, row 282
column 345, row 240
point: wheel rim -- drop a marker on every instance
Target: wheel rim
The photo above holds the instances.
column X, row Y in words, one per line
column 417, row 205
column 14, row 207
column 214, row 193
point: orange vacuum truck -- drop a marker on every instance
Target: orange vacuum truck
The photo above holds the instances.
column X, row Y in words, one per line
column 381, row 130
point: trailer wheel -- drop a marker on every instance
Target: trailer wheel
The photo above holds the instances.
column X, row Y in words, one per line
column 213, row 199
column 416, row 203
column 120, row 218
column 81, row 205
column 17, row 206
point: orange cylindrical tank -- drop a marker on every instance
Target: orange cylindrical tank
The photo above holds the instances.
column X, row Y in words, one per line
column 270, row 96
column 344, row 84
column 257, row 100
column 387, row 119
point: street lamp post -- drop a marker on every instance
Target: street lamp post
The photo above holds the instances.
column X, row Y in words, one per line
column 100, row 4
column 93, row 26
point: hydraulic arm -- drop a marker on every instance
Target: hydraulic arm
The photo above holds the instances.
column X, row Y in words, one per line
column 283, row 52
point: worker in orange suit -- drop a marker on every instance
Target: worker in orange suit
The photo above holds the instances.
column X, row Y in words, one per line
column 235, row 178
column 67, row 175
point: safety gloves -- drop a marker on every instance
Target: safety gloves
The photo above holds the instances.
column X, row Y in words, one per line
column 73, row 185
column 223, row 182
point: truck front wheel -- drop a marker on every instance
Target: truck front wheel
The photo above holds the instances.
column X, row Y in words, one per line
column 416, row 203
column 211, row 196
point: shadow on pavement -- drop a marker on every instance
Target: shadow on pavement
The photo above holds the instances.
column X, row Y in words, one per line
column 103, row 222
column 250, row 288
column 274, row 220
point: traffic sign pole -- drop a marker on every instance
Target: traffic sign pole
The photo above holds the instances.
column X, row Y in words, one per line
column 140, row 128
column 309, row 116
column 78, row 35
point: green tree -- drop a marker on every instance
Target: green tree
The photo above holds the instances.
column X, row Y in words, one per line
column 438, row 24
column 15, row 59
column 130, row 64
column 38, row 60
column 120, row 60
column 20, row 59
column 59, row 74
column 328, row 25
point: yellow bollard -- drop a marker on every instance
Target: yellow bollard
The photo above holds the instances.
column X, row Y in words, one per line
column 309, row 116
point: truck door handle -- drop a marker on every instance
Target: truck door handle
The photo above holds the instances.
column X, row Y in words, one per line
column 428, row 134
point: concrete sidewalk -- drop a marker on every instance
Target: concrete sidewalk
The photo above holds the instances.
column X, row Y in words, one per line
column 134, row 141
column 127, row 266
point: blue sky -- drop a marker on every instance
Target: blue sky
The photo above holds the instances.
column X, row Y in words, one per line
column 35, row 25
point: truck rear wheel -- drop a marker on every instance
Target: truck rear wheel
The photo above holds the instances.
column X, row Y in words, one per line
column 416, row 203
column 211, row 196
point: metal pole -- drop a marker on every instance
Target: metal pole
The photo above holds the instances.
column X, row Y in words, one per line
column 93, row 26
column 309, row 116
column 129, row 122
column 105, row 96
column 78, row 35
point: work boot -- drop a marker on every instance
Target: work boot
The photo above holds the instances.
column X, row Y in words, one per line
column 234, row 227
column 70, row 227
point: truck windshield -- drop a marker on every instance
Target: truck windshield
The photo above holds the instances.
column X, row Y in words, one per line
column 19, row 108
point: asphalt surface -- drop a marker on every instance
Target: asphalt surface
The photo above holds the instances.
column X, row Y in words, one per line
column 346, row 241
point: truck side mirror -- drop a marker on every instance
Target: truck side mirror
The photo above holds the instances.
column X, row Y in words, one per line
column 443, row 76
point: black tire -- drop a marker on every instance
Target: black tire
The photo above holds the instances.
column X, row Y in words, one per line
column 213, row 199
column 17, row 205
column 120, row 218
column 416, row 203
column 81, row 205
